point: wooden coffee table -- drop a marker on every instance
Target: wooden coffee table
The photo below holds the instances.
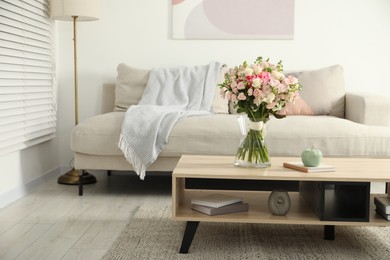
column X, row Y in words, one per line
column 348, row 170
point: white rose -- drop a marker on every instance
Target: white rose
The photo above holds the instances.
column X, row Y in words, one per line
column 248, row 71
column 270, row 98
column 257, row 70
column 277, row 75
column 256, row 83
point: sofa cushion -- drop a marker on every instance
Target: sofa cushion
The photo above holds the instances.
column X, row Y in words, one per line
column 213, row 134
column 131, row 83
column 219, row 135
column 99, row 135
column 335, row 137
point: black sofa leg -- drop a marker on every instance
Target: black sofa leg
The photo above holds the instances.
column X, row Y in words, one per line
column 108, row 172
column 81, row 175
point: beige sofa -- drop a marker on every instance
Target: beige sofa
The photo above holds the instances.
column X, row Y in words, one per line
column 340, row 123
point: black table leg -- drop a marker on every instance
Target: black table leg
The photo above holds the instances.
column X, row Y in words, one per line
column 81, row 175
column 329, row 232
column 189, row 234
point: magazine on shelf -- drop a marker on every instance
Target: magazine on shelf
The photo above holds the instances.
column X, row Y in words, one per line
column 216, row 200
column 232, row 208
column 383, row 202
column 300, row 167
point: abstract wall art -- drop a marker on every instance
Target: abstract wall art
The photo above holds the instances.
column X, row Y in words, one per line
column 232, row 19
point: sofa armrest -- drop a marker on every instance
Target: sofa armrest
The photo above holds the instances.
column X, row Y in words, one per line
column 368, row 109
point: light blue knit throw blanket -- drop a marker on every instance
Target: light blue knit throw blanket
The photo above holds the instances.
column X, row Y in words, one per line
column 170, row 95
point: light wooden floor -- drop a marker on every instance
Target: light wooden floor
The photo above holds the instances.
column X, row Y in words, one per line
column 54, row 222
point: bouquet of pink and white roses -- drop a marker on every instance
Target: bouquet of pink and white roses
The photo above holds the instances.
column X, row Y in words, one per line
column 259, row 90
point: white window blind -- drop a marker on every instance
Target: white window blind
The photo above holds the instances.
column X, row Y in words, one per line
column 27, row 91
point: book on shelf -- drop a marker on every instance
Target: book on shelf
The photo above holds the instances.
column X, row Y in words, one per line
column 232, row 208
column 216, row 200
column 382, row 213
column 300, row 167
column 383, row 203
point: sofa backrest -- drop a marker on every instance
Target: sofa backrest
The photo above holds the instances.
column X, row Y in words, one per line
column 323, row 92
column 108, row 98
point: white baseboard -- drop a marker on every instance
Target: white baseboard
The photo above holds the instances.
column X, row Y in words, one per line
column 24, row 189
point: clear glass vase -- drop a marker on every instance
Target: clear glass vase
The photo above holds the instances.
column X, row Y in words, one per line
column 253, row 151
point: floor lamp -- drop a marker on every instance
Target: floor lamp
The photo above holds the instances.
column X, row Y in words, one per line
column 75, row 10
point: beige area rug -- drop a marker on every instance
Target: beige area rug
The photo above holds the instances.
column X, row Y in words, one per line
column 152, row 234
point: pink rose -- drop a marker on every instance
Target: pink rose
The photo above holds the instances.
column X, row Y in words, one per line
column 241, row 85
column 235, row 90
column 233, row 98
column 256, row 92
column 266, row 90
column 241, row 96
column 228, row 95
column 234, row 84
column 281, row 88
column 290, row 80
column 265, row 76
column 274, row 82
column 250, row 92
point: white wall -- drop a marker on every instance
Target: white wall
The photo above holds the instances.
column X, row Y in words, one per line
column 22, row 170
column 353, row 33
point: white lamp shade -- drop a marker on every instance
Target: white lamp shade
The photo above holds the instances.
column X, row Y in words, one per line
column 65, row 10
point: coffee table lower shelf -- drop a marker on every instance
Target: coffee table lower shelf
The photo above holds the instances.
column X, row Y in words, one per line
column 299, row 214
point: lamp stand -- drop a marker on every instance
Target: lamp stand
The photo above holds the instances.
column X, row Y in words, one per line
column 72, row 177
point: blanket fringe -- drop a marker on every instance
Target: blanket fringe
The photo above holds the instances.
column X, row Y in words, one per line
column 132, row 157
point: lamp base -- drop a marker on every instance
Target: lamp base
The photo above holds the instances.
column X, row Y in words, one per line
column 72, row 178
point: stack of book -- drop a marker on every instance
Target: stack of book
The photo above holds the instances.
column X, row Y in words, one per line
column 382, row 204
column 216, row 204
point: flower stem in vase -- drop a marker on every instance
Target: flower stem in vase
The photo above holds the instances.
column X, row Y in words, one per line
column 253, row 151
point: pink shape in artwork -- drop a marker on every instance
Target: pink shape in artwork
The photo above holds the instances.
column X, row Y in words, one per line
column 176, row 2
column 267, row 17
